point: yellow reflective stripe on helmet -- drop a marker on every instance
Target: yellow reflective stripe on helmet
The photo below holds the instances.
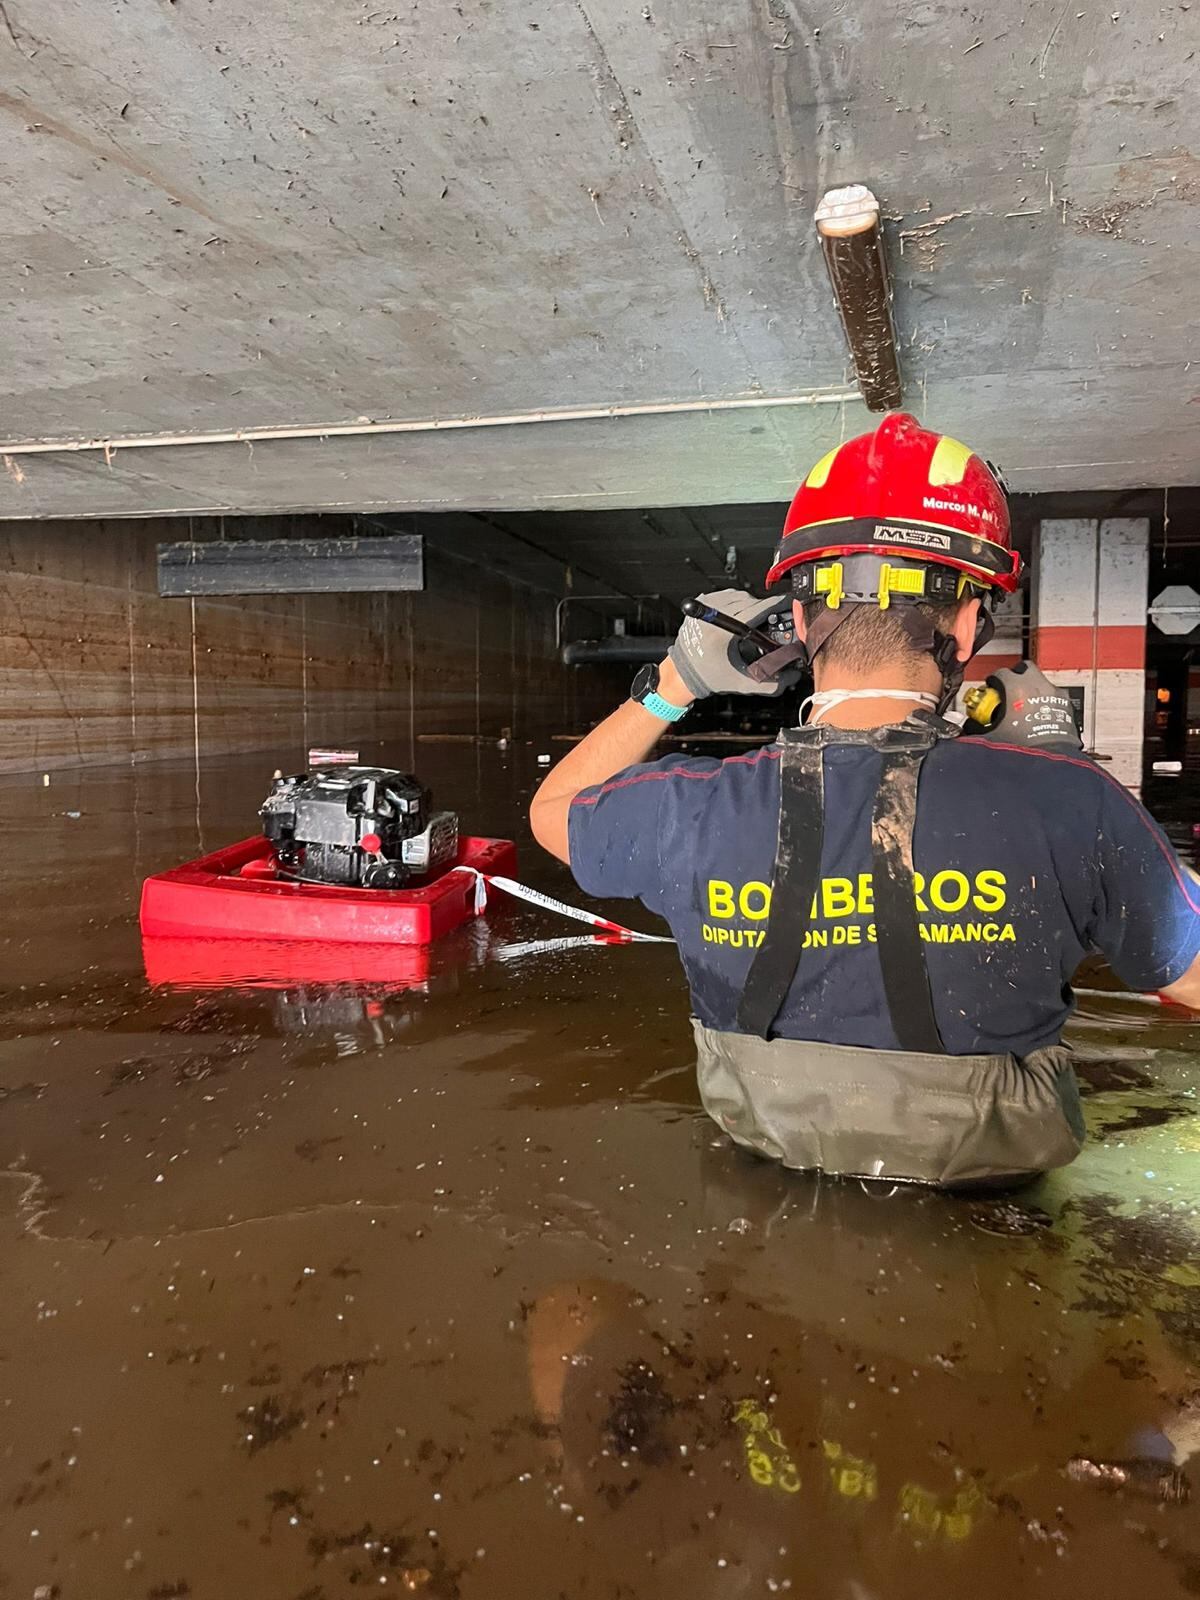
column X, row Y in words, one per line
column 949, row 463
column 819, row 476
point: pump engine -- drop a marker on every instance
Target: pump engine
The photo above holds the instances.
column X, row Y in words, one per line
column 360, row 827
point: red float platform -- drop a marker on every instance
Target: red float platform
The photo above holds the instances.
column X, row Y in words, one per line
column 236, row 893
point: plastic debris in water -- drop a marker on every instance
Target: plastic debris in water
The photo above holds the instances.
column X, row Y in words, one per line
column 1142, row 1475
column 739, row 1225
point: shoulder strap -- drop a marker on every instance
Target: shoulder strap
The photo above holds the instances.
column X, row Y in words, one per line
column 898, row 933
column 796, row 876
column 794, row 881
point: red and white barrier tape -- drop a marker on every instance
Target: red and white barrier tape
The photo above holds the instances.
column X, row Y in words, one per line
column 521, row 891
column 519, row 949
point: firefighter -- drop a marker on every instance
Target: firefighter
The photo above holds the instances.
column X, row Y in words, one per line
column 879, row 918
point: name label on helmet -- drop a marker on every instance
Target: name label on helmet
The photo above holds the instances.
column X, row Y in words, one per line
column 981, row 513
column 889, row 533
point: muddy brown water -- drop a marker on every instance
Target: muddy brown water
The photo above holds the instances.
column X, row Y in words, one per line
column 452, row 1290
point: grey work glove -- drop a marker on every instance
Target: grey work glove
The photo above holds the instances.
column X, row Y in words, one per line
column 1031, row 711
column 707, row 658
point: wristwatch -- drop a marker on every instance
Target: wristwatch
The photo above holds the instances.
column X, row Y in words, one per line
column 644, row 690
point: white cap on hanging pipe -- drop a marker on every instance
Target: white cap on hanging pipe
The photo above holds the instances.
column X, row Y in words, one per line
column 847, row 211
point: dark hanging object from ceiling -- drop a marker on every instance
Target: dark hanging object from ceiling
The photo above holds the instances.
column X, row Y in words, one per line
column 852, row 242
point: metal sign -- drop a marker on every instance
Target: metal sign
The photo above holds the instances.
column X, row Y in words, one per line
column 1176, row 609
column 1078, row 700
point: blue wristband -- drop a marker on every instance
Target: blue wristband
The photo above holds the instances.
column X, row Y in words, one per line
column 663, row 709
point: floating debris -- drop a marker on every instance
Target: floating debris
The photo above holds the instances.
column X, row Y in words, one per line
column 1009, row 1220
column 1144, row 1476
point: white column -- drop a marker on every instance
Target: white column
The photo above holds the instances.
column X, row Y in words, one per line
column 1088, row 613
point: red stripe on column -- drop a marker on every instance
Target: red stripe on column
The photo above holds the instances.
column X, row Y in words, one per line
column 1081, row 649
column 979, row 667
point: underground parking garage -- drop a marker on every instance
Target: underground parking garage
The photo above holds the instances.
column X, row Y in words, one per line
column 380, row 384
column 182, row 639
column 309, row 1233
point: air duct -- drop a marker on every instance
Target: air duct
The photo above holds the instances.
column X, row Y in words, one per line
column 621, row 648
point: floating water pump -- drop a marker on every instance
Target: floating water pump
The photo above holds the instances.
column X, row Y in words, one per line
column 358, row 827
column 350, row 860
column 348, row 856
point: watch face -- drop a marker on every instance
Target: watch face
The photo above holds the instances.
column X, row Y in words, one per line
column 646, row 682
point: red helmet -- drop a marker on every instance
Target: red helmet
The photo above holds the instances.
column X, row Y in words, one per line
column 902, row 491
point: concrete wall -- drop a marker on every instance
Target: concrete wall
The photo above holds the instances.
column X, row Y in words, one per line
column 95, row 668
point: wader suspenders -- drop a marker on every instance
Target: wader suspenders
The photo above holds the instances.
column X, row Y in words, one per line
column 897, row 931
column 796, row 879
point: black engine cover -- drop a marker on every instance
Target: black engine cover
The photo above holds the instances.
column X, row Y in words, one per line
column 369, row 827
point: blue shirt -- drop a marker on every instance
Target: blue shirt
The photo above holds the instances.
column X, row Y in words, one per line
column 1025, row 861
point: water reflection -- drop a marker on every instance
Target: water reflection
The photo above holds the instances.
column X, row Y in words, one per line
column 362, row 996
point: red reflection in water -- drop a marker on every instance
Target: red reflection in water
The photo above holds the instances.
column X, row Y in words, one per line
column 281, row 964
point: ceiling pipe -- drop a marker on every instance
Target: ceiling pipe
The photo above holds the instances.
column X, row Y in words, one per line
column 619, row 598
column 852, row 241
column 368, row 427
column 622, row 648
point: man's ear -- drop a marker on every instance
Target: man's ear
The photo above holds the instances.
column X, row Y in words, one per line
column 798, row 620
column 965, row 625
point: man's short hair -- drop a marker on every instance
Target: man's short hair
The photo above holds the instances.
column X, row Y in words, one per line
column 869, row 638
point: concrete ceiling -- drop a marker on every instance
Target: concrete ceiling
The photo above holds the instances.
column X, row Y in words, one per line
column 287, row 213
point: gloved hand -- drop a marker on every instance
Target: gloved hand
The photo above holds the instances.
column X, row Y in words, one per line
column 707, row 658
column 1030, row 711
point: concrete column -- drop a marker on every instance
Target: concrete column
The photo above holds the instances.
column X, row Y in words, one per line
column 1088, row 613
